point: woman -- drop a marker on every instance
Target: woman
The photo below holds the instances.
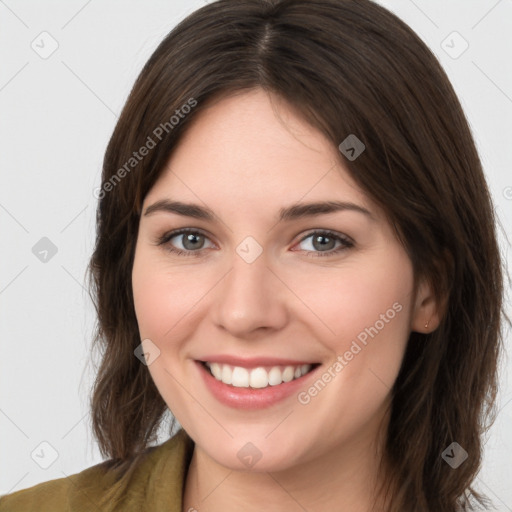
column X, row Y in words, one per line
column 296, row 255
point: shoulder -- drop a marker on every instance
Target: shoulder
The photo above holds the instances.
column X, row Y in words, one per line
column 52, row 495
column 157, row 477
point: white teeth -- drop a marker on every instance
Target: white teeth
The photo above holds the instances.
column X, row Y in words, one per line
column 257, row 377
column 240, row 377
column 216, row 370
column 274, row 376
column 288, row 373
column 226, row 374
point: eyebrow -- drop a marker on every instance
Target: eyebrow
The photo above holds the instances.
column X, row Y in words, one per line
column 293, row 212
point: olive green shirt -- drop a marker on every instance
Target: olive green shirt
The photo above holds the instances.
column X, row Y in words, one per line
column 155, row 484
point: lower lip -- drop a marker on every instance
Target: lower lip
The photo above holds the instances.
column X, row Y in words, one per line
column 251, row 398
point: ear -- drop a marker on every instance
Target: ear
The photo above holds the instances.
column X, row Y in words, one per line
column 427, row 311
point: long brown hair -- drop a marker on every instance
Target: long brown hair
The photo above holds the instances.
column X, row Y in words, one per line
column 349, row 67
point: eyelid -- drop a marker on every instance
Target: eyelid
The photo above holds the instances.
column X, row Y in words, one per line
column 326, row 231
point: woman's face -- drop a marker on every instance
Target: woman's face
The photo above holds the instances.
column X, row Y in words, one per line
column 259, row 290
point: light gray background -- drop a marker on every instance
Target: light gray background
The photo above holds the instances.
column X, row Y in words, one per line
column 56, row 116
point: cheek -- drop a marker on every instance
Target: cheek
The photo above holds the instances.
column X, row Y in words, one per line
column 151, row 300
column 354, row 297
column 363, row 311
column 365, row 317
column 162, row 298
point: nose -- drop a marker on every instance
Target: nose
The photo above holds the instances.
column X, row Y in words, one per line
column 251, row 299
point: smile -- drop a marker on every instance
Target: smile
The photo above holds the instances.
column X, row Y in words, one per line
column 259, row 377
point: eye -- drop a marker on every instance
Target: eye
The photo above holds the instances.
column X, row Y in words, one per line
column 323, row 243
column 191, row 240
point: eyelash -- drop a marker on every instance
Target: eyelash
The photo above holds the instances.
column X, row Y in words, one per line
column 164, row 239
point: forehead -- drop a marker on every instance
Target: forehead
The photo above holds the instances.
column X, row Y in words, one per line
column 253, row 149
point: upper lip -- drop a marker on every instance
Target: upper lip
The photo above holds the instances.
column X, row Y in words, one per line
column 253, row 362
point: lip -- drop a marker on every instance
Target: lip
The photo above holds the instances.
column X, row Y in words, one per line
column 252, row 398
column 253, row 362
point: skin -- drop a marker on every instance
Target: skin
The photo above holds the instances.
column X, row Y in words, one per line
column 245, row 157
